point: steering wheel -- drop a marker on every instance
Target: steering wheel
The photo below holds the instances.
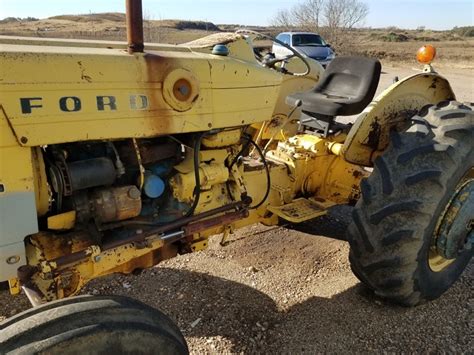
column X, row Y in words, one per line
column 271, row 62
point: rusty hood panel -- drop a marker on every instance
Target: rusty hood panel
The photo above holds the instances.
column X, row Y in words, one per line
column 53, row 94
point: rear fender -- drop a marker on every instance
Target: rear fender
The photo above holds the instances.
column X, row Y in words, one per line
column 369, row 136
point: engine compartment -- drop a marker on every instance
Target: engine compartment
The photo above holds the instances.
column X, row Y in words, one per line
column 94, row 178
column 121, row 185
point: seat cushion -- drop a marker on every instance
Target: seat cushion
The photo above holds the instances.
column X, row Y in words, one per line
column 346, row 88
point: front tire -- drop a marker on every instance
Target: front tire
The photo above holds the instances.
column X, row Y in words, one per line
column 92, row 325
column 396, row 223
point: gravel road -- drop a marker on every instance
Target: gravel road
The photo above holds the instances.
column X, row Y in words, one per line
column 290, row 289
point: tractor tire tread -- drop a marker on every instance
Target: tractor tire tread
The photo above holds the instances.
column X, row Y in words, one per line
column 55, row 326
column 388, row 233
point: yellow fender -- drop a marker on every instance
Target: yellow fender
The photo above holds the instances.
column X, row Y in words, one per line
column 369, row 136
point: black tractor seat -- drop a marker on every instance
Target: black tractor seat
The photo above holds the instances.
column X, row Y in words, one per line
column 346, row 87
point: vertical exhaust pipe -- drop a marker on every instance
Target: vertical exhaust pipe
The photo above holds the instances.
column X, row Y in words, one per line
column 134, row 20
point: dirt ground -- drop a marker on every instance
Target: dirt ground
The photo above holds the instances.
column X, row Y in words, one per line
column 459, row 75
column 290, row 289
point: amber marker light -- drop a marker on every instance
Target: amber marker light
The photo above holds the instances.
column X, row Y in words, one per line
column 426, row 54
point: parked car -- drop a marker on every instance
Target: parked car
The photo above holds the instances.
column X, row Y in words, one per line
column 310, row 44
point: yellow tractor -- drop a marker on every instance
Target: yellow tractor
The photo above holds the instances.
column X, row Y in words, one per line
column 114, row 158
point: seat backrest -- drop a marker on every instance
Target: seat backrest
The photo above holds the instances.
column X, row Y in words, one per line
column 353, row 78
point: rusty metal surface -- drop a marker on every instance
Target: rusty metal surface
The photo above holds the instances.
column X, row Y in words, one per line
column 392, row 110
column 149, row 152
column 153, row 153
column 82, row 254
column 174, row 225
column 228, row 218
column 68, row 263
column 116, row 204
column 134, row 20
column 455, row 232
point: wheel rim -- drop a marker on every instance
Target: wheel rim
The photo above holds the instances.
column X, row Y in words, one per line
column 454, row 231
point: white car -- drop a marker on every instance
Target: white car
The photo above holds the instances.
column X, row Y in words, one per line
column 310, row 44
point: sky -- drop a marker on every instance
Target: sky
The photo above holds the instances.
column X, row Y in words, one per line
column 434, row 14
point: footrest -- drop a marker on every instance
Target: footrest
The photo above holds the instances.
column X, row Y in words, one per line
column 299, row 210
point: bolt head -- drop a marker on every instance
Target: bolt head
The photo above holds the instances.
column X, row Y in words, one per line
column 13, row 259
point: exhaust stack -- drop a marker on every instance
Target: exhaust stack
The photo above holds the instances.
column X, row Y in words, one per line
column 134, row 20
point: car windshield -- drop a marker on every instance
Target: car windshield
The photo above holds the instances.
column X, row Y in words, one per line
column 308, row 40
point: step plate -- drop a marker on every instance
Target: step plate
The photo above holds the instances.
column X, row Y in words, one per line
column 299, row 210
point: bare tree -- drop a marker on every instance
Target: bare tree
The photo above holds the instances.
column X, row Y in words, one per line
column 283, row 19
column 308, row 15
column 343, row 15
column 148, row 26
column 333, row 18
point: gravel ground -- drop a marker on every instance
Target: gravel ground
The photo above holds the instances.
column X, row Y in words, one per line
column 282, row 290
column 290, row 289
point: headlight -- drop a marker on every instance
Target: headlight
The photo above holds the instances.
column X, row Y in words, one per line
column 331, row 56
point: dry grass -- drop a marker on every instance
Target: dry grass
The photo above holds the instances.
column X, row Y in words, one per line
column 389, row 45
column 401, row 45
column 107, row 26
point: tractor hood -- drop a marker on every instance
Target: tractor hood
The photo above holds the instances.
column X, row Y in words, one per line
column 55, row 92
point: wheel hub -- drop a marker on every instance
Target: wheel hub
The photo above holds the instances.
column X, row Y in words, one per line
column 456, row 232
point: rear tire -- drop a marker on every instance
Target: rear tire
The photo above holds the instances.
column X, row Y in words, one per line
column 92, row 325
column 394, row 223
